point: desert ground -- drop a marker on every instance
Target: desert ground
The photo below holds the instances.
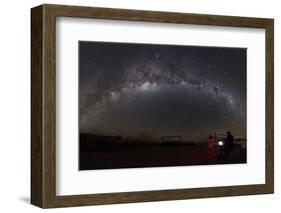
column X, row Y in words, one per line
column 153, row 155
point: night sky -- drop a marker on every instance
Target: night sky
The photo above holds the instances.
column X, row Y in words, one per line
column 138, row 90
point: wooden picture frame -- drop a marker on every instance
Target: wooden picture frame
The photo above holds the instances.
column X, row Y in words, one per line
column 43, row 105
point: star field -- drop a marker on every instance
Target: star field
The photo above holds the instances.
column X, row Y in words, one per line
column 143, row 89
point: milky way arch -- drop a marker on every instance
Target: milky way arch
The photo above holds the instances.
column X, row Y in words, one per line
column 140, row 89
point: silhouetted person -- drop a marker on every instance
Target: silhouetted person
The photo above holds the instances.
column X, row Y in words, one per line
column 229, row 144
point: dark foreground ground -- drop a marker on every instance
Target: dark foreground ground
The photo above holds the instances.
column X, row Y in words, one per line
column 154, row 156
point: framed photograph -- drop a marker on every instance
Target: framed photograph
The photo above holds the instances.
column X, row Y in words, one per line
column 136, row 106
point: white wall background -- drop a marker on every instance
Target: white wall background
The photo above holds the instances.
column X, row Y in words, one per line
column 15, row 105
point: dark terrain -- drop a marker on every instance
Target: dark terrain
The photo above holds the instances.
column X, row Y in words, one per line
column 98, row 152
